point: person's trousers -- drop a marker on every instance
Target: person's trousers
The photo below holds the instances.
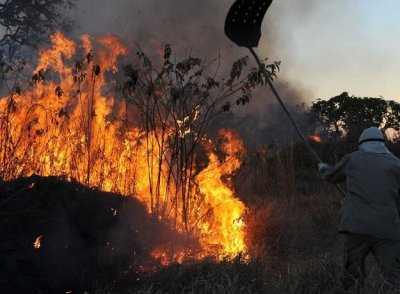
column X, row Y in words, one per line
column 385, row 251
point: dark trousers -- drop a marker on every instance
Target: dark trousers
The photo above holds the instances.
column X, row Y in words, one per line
column 385, row 251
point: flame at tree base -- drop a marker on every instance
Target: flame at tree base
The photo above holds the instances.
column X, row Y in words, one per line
column 73, row 125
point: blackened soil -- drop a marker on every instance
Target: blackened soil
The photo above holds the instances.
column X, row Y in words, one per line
column 89, row 238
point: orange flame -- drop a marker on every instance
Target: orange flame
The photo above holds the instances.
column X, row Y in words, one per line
column 37, row 242
column 315, row 138
column 227, row 231
column 158, row 47
column 71, row 126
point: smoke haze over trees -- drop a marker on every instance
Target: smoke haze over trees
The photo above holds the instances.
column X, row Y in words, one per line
column 28, row 23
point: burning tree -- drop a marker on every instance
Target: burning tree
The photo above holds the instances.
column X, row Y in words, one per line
column 145, row 137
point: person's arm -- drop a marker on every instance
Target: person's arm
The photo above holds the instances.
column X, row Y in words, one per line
column 335, row 174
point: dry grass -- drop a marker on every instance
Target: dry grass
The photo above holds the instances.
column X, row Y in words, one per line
column 295, row 248
column 319, row 275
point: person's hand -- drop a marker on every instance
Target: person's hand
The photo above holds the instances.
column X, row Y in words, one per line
column 322, row 166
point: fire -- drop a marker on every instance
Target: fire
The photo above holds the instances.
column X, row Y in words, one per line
column 159, row 50
column 315, row 138
column 37, row 242
column 72, row 125
column 229, row 227
column 163, row 256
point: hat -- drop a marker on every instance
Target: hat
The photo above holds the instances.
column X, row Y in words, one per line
column 371, row 134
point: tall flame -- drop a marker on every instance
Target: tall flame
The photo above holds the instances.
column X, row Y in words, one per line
column 226, row 231
column 73, row 126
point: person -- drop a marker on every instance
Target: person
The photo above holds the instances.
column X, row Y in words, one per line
column 369, row 217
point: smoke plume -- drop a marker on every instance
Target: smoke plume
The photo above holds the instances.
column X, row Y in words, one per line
column 196, row 27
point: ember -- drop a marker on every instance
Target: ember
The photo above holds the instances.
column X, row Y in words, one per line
column 315, row 138
column 37, row 242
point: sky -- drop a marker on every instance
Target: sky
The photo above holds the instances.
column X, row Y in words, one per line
column 340, row 46
column 325, row 47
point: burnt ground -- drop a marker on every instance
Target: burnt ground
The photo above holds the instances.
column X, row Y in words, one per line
column 89, row 238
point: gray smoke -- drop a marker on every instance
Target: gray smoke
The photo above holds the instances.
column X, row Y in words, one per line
column 196, row 27
column 185, row 24
column 196, row 24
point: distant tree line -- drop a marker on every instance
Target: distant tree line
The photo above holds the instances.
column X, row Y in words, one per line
column 345, row 116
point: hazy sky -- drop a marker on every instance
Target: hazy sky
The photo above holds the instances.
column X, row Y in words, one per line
column 326, row 47
column 340, row 46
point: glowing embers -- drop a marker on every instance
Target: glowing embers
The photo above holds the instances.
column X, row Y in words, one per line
column 37, row 242
column 314, row 138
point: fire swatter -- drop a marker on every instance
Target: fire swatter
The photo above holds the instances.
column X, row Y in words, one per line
column 243, row 27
